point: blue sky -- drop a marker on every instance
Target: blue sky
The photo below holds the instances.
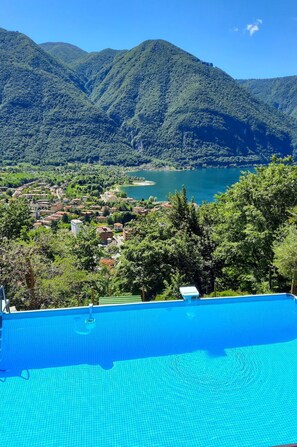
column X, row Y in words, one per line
column 246, row 38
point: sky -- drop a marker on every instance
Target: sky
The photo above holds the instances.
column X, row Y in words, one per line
column 245, row 38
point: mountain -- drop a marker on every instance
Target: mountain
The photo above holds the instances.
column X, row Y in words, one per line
column 65, row 52
column 89, row 66
column 129, row 107
column 92, row 66
column 171, row 105
column 280, row 93
column 45, row 114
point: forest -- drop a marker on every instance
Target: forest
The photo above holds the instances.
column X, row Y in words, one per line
column 152, row 104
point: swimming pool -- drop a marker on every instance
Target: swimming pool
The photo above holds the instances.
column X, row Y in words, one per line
column 208, row 373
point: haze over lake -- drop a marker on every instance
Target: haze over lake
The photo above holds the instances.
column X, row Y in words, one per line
column 202, row 184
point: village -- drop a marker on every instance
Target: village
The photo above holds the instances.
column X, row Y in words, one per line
column 111, row 212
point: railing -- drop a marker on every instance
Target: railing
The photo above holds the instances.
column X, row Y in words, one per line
column 4, row 302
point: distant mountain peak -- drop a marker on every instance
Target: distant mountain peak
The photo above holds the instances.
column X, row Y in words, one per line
column 65, row 52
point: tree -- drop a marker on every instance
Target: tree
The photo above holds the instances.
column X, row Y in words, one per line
column 20, row 266
column 106, row 211
column 65, row 218
column 145, row 266
column 15, row 219
column 183, row 215
column 249, row 216
column 167, row 246
column 86, row 248
column 285, row 256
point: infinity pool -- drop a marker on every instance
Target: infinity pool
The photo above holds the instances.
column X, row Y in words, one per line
column 208, row 373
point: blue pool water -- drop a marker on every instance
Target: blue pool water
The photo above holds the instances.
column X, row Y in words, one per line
column 220, row 373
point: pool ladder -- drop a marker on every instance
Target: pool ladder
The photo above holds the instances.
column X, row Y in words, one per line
column 4, row 308
column 1, row 337
column 4, row 302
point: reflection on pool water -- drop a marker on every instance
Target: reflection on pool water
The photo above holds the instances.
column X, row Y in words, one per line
column 208, row 373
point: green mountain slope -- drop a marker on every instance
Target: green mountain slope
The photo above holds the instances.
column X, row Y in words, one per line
column 45, row 114
column 280, row 93
column 89, row 66
column 126, row 107
column 171, row 105
column 93, row 67
column 65, row 52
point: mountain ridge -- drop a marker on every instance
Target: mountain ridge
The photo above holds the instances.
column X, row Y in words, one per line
column 280, row 93
column 189, row 102
column 45, row 114
column 130, row 106
column 66, row 52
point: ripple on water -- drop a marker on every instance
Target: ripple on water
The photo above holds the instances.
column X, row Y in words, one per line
column 234, row 370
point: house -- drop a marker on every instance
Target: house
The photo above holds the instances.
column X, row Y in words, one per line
column 76, row 225
column 140, row 210
column 58, row 206
column 166, row 205
column 104, row 233
column 75, row 202
column 109, row 196
column 44, row 204
column 127, row 233
column 37, row 224
column 118, row 227
column 46, row 222
column 101, row 219
column 107, row 262
column 87, row 213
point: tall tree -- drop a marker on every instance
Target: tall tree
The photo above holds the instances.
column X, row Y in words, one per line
column 285, row 256
column 87, row 249
column 249, row 216
column 15, row 219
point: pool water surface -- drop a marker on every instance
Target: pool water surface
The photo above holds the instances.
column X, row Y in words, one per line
column 210, row 373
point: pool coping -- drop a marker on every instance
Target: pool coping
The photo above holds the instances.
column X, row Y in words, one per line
column 146, row 305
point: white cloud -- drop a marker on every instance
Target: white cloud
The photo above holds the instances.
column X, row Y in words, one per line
column 235, row 29
column 252, row 28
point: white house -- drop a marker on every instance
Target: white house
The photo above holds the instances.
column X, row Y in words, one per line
column 76, row 226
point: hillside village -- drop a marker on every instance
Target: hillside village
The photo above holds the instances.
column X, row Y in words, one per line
column 111, row 212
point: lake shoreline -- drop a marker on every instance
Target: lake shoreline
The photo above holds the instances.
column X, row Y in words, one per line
column 203, row 184
column 189, row 169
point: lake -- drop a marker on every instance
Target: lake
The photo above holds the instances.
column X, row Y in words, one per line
column 202, row 184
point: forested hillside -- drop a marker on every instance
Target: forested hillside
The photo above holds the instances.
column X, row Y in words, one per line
column 65, row 52
column 172, row 105
column 280, row 93
column 129, row 107
column 45, row 114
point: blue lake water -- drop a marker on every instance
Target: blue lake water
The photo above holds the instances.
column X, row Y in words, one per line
column 202, row 184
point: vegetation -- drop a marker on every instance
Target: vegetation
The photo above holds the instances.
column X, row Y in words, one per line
column 229, row 244
column 45, row 114
column 154, row 102
column 65, row 52
column 280, row 93
column 286, row 255
column 244, row 242
column 173, row 106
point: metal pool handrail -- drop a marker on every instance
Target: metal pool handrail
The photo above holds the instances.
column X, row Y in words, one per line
column 4, row 302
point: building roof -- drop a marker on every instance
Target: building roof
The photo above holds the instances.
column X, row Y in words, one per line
column 104, row 230
column 76, row 221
